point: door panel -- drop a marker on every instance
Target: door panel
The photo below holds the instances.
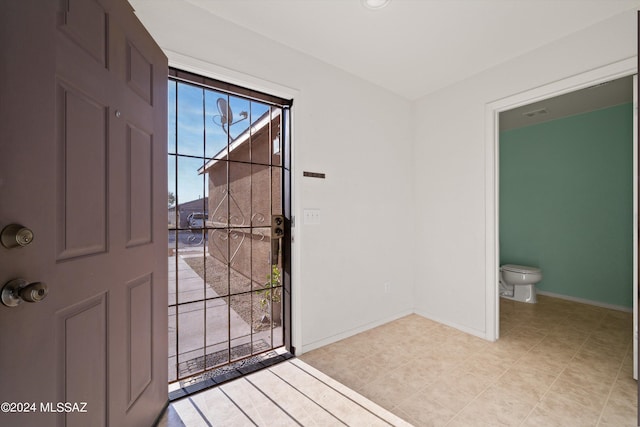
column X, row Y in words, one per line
column 139, row 73
column 82, row 335
column 85, row 22
column 82, row 174
column 139, row 186
column 83, row 165
column 140, row 331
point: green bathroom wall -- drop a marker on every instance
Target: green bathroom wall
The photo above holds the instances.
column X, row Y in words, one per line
column 566, row 203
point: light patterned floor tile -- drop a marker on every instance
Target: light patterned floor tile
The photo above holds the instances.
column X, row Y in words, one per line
column 424, row 412
column 558, row 363
column 499, row 406
column 560, row 414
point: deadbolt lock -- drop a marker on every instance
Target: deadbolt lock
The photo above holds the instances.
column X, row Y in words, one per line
column 15, row 236
column 277, row 226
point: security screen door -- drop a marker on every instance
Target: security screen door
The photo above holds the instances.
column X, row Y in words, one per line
column 228, row 177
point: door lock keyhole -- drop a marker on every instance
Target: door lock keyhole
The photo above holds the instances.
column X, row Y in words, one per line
column 15, row 236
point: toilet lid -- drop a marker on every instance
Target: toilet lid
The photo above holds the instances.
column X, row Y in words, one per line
column 520, row 268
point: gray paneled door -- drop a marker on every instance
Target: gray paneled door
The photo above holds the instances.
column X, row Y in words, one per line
column 83, row 102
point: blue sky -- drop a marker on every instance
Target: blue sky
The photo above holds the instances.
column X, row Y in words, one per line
column 199, row 133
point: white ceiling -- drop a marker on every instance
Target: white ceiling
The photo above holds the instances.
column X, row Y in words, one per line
column 414, row 47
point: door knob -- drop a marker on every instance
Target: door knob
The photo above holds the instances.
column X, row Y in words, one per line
column 15, row 236
column 17, row 290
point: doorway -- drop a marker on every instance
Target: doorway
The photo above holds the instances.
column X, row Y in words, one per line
column 566, row 193
column 607, row 73
column 566, row 206
column 229, row 224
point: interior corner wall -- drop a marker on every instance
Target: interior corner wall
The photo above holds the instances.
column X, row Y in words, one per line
column 566, row 204
column 356, row 133
column 449, row 166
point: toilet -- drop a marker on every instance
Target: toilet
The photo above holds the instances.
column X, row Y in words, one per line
column 518, row 282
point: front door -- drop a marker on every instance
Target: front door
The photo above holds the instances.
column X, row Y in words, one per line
column 82, row 165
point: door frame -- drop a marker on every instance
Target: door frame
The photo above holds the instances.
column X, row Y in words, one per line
column 624, row 68
column 207, row 69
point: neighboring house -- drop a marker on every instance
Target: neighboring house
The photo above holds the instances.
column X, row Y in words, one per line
column 253, row 191
column 181, row 217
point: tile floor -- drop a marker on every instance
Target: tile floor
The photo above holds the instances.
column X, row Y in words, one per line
column 557, row 363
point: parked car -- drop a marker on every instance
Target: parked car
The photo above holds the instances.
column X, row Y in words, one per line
column 197, row 219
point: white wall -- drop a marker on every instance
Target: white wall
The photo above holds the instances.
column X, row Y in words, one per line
column 404, row 198
column 449, row 166
column 358, row 134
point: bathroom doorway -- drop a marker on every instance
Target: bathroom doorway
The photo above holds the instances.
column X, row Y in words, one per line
column 566, row 194
column 527, row 106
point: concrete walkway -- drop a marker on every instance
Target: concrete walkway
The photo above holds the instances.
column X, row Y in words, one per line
column 198, row 319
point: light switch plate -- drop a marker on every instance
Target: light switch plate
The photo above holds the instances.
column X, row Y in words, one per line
column 312, row 216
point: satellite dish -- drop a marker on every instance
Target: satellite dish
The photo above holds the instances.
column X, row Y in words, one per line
column 226, row 115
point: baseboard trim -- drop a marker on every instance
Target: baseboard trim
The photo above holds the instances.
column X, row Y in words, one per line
column 465, row 329
column 475, row 332
column 351, row 332
column 586, row 301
